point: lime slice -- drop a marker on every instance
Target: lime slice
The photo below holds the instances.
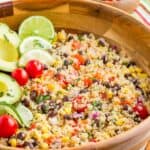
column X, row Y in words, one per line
column 38, row 26
column 8, row 56
column 34, row 42
column 9, row 35
column 42, row 56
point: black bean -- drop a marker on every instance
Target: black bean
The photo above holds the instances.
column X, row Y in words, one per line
column 45, row 67
column 131, row 63
column 21, row 135
column 26, row 102
column 107, row 85
column 68, row 117
column 101, row 42
column 125, row 107
column 87, row 62
column 65, row 54
column 70, row 38
column 52, row 105
column 116, row 87
column 58, row 105
column 127, row 76
column 44, row 108
column 137, row 119
column 95, row 81
column 80, row 52
column 34, row 142
column 65, row 98
column 52, row 113
column 83, row 90
column 116, row 131
column 114, row 48
column 86, row 116
column 104, row 59
column 33, row 95
column 66, row 63
column 28, row 144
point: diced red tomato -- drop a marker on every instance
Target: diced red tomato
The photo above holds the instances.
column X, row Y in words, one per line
column 111, row 79
column 103, row 95
column 93, row 140
column 88, row 82
column 141, row 110
column 79, row 104
column 32, row 126
column 63, row 82
column 76, row 45
column 80, row 59
column 49, row 140
column 98, row 76
column 76, row 66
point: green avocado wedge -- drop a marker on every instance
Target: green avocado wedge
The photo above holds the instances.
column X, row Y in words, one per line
column 10, row 109
column 21, row 113
column 10, row 91
column 8, row 56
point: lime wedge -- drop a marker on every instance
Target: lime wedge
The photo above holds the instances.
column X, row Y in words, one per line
column 8, row 56
column 34, row 42
column 38, row 26
column 9, row 35
column 42, row 56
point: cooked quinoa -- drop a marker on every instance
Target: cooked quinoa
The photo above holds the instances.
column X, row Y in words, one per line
column 92, row 92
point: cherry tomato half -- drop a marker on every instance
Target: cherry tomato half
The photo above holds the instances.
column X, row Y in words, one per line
column 20, row 75
column 8, row 126
column 79, row 104
column 34, row 68
column 141, row 110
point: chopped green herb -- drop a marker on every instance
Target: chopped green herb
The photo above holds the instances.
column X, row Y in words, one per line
column 41, row 98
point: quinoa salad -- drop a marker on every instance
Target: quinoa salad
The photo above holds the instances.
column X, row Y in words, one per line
column 91, row 91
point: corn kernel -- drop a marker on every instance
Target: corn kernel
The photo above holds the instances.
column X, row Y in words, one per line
column 13, row 142
column 44, row 146
column 44, row 129
column 110, row 94
column 143, row 75
column 109, row 65
column 137, row 69
column 45, row 135
column 51, row 87
column 120, row 122
column 61, row 36
column 65, row 139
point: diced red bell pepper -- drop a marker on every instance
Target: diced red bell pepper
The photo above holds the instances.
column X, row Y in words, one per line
column 88, row 82
column 76, row 45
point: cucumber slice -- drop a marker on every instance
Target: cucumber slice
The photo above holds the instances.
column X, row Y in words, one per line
column 25, row 114
column 34, row 42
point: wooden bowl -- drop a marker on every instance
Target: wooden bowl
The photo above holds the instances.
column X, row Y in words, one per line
column 106, row 21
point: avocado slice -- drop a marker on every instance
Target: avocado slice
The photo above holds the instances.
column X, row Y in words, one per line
column 10, row 109
column 21, row 113
column 10, row 91
column 8, row 56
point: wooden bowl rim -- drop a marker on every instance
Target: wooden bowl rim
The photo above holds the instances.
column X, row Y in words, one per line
column 133, row 132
